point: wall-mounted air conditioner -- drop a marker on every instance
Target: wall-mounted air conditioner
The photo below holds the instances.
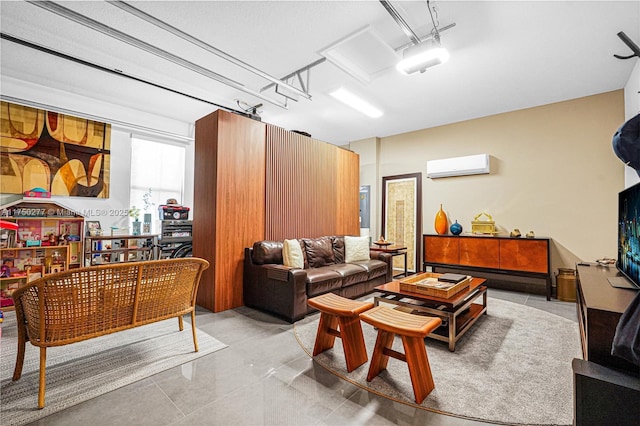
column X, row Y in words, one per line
column 459, row 166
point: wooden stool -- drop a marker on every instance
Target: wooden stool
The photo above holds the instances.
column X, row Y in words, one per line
column 344, row 313
column 413, row 329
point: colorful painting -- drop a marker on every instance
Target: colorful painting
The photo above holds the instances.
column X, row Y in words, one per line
column 62, row 154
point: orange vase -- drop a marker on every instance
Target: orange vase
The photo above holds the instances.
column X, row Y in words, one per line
column 441, row 222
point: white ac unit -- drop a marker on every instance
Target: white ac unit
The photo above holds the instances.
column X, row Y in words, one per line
column 459, row 166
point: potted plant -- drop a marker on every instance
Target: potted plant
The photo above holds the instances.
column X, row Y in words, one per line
column 148, row 203
column 134, row 212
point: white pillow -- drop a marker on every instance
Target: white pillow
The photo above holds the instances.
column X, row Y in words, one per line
column 292, row 254
column 356, row 248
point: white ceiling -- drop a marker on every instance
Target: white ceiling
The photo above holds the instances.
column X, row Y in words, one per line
column 505, row 55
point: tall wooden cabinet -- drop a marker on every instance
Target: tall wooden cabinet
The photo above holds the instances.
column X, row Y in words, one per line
column 255, row 181
column 229, row 202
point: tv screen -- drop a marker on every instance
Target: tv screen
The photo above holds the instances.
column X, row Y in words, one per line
column 628, row 261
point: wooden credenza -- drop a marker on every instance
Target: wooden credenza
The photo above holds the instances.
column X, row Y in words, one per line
column 502, row 255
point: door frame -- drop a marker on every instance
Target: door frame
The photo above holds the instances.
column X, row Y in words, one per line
column 417, row 202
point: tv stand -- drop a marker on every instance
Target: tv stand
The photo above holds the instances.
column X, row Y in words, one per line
column 606, row 388
column 600, row 306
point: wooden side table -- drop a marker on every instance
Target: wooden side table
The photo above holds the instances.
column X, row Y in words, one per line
column 394, row 250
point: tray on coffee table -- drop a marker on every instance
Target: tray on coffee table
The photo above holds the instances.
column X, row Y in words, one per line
column 427, row 283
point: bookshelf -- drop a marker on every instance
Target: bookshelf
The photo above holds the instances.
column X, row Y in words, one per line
column 120, row 248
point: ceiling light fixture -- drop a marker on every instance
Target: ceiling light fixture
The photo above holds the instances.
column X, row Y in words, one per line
column 423, row 54
column 348, row 98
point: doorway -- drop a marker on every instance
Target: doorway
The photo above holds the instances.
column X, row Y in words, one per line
column 402, row 216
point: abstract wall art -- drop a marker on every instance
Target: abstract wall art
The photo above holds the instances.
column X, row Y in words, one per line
column 62, row 154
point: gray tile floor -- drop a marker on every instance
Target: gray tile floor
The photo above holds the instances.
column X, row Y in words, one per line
column 263, row 378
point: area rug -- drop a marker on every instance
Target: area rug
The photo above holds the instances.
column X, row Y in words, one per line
column 84, row 370
column 512, row 367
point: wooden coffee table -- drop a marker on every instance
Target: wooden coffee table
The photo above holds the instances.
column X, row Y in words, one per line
column 458, row 312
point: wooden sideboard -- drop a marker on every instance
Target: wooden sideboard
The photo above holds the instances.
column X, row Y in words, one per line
column 502, row 255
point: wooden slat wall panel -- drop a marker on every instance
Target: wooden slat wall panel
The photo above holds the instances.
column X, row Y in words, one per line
column 229, row 202
column 348, row 193
column 305, row 181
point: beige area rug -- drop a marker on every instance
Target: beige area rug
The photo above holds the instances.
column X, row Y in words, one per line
column 512, row 367
column 84, row 370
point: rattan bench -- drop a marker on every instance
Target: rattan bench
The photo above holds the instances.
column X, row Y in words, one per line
column 340, row 317
column 80, row 304
column 412, row 329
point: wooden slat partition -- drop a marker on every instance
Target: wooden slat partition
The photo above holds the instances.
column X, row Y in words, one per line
column 311, row 187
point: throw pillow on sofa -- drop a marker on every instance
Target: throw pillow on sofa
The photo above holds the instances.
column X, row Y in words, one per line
column 356, row 248
column 292, row 254
column 319, row 251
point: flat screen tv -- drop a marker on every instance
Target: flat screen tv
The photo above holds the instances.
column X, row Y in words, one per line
column 628, row 261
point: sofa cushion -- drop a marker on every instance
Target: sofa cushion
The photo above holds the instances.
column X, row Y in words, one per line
column 338, row 248
column 265, row 252
column 351, row 274
column 322, row 280
column 319, row 252
column 356, row 248
column 292, row 254
column 375, row 268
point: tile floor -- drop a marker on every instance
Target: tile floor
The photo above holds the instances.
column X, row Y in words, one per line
column 263, row 378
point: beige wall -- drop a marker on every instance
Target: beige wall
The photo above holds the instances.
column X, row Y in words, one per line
column 552, row 171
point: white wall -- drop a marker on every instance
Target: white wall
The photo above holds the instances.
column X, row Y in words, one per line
column 108, row 211
column 631, row 108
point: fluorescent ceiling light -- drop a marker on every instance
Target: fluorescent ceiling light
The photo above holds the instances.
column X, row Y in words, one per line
column 348, row 98
column 421, row 56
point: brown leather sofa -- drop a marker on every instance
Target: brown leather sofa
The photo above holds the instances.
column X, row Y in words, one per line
column 272, row 287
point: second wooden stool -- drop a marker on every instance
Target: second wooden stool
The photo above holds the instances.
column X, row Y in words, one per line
column 412, row 329
column 337, row 311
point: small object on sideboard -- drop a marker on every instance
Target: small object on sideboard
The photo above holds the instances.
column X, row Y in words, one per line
column 456, row 228
column 483, row 226
column 515, row 233
column 530, row 234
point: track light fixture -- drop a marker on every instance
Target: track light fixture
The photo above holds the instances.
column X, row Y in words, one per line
column 422, row 54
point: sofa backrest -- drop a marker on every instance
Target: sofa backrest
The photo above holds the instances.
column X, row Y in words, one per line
column 317, row 252
column 338, row 248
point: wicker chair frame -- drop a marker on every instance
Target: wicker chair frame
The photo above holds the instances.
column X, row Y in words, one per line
column 80, row 304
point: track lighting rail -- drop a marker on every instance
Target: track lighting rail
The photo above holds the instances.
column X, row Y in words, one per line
column 209, row 48
column 132, row 41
